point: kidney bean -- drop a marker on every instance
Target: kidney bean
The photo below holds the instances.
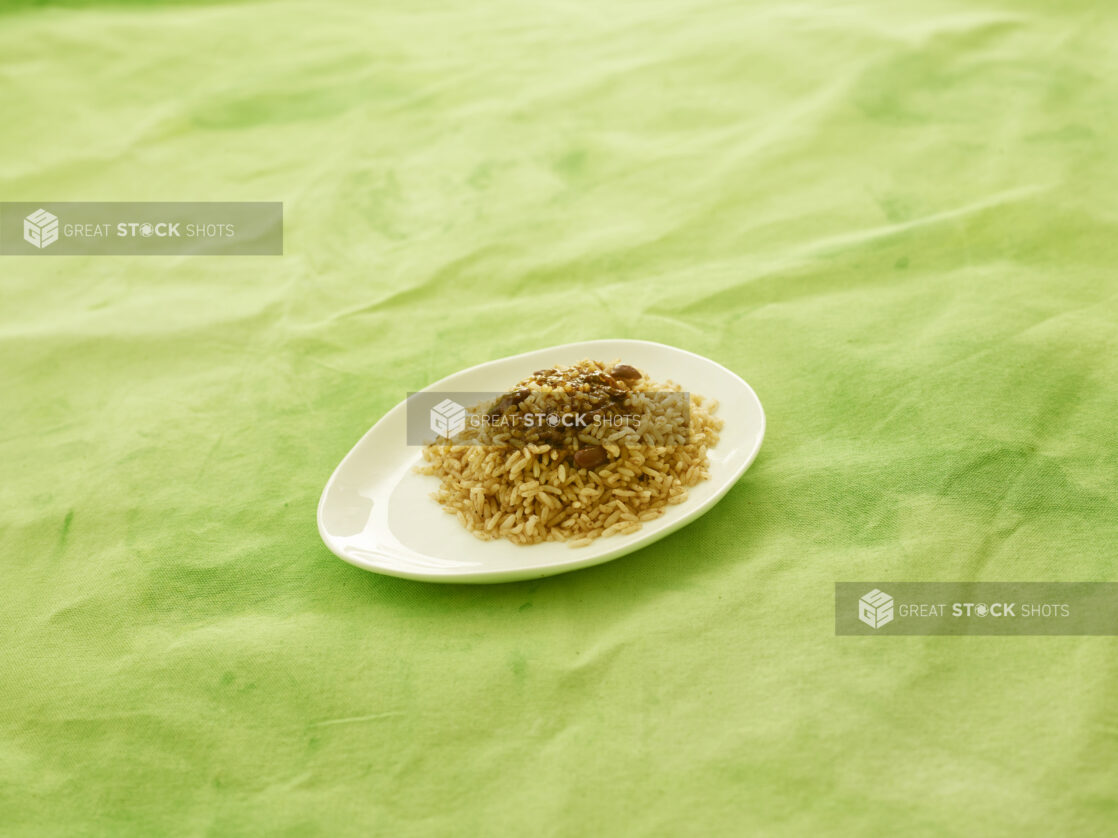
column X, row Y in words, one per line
column 590, row 457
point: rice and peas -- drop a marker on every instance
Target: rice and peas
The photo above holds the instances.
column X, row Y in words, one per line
column 572, row 453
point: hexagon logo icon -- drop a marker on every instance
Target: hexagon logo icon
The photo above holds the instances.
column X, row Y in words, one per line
column 448, row 418
column 875, row 609
column 40, row 228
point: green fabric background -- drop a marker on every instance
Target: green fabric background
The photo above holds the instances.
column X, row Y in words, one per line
column 896, row 220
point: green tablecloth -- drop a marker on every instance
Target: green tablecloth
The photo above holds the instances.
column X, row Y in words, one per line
column 897, row 221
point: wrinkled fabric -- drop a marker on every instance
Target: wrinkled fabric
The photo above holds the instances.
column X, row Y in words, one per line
column 896, row 221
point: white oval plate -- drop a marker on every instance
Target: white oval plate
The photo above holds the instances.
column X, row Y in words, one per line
column 377, row 513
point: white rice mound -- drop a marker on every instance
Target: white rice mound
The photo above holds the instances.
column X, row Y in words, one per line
column 499, row 486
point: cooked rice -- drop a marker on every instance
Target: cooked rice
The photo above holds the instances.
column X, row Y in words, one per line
column 526, row 487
